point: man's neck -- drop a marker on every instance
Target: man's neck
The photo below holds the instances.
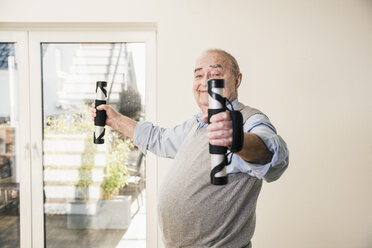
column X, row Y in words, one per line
column 204, row 111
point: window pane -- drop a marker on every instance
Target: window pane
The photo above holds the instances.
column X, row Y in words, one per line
column 93, row 194
column 9, row 174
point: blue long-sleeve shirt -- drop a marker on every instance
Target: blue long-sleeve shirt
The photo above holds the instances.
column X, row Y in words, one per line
column 165, row 142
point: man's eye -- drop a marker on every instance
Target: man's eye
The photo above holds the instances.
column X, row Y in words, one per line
column 198, row 76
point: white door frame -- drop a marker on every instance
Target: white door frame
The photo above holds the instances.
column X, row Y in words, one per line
column 22, row 132
column 35, row 39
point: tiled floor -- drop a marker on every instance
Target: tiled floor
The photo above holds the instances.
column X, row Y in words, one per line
column 135, row 236
column 57, row 235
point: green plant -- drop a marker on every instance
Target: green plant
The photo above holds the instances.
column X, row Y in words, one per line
column 116, row 173
column 77, row 120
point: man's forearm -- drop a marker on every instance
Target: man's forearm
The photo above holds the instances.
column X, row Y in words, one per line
column 124, row 125
column 254, row 150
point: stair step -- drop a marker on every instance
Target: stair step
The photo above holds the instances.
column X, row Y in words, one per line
column 72, row 160
column 67, row 145
column 70, row 167
column 87, row 87
column 71, row 175
column 70, row 200
column 71, row 192
column 72, row 206
column 98, row 53
column 98, row 46
column 80, row 69
column 84, row 96
column 79, row 137
column 78, row 60
column 86, row 78
column 70, row 183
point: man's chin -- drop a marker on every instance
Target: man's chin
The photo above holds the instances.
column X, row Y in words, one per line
column 202, row 101
column 203, row 105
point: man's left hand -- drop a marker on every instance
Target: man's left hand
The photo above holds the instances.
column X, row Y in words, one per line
column 220, row 129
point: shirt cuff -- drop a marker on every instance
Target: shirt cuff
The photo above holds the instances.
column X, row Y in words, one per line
column 142, row 135
column 279, row 161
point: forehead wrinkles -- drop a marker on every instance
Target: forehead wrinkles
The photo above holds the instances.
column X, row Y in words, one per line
column 211, row 60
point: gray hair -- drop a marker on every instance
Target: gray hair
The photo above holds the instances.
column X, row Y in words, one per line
column 234, row 67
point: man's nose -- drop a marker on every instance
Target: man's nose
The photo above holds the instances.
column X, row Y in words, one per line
column 204, row 81
column 207, row 76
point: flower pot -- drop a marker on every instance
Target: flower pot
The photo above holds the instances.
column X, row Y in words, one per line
column 106, row 214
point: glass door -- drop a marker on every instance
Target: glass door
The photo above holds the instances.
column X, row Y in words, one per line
column 88, row 195
column 93, row 194
column 15, row 213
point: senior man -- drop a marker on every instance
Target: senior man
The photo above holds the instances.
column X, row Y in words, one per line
column 192, row 211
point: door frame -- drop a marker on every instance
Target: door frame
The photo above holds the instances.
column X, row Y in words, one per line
column 22, row 138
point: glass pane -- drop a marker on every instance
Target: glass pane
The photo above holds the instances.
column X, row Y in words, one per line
column 94, row 195
column 9, row 171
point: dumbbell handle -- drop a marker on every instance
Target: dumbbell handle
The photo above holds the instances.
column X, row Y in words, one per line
column 100, row 120
column 218, row 153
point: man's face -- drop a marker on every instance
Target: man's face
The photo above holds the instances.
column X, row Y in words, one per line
column 213, row 65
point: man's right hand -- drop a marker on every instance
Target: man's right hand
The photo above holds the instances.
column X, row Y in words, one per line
column 111, row 114
column 116, row 120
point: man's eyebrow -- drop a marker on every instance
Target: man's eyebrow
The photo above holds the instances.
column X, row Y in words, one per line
column 216, row 66
column 198, row 69
column 212, row 66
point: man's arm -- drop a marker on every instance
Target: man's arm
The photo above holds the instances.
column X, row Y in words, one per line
column 220, row 133
column 264, row 153
column 116, row 120
column 254, row 150
column 260, row 126
column 163, row 142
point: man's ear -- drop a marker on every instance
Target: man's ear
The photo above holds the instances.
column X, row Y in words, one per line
column 238, row 80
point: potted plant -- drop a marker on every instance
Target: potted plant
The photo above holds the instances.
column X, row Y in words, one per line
column 116, row 173
column 113, row 210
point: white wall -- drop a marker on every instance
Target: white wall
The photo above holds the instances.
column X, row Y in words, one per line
column 307, row 64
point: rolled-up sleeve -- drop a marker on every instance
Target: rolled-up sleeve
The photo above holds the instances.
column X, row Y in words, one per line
column 142, row 134
column 260, row 125
column 163, row 142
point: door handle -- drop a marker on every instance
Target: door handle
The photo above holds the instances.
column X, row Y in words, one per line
column 34, row 147
column 27, row 151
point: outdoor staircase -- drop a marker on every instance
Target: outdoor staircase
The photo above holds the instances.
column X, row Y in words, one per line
column 63, row 157
column 92, row 63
